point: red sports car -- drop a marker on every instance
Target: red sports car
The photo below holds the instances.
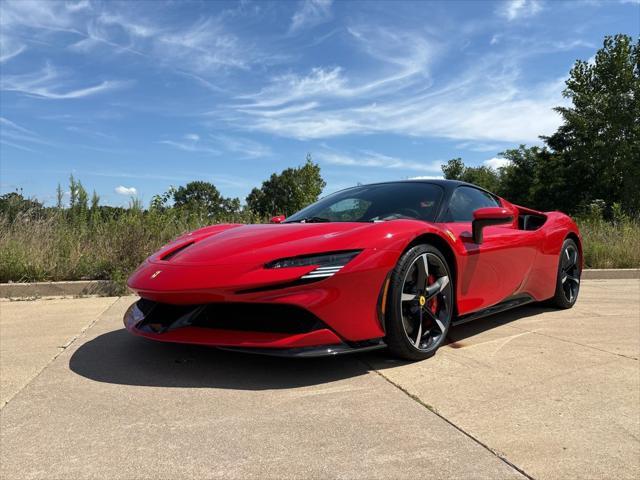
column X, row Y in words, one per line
column 384, row 265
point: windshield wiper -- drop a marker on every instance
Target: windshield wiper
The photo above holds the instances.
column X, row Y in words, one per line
column 311, row 220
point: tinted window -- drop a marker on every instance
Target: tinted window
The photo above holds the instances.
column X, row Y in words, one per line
column 465, row 200
column 370, row 203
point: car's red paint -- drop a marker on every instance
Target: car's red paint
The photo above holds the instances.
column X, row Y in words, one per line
column 226, row 263
column 488, row 213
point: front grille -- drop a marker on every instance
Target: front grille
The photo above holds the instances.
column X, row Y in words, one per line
column 255, row 317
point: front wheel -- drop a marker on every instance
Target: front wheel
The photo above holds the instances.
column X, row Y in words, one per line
column 568, row 277
column 420, row 303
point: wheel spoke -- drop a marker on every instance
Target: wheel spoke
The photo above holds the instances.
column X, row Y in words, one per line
column 419, row 335
column 438, row 286
column 423, row 271
column 408, row 297
column 437, row 321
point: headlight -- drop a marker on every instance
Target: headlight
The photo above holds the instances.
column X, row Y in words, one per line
column 327, row 263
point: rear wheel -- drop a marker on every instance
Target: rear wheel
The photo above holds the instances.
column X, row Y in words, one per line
column 420, row 303
column 568, row 279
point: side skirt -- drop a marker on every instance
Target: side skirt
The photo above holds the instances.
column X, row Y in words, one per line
column 499, row 307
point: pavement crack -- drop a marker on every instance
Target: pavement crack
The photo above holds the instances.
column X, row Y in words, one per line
column 61, row 349
column 432, row 409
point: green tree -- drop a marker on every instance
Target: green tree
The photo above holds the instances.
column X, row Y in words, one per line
column 483, row 176
column 454, row 169
column 287, row 192
column 203, row 198
column 599, row 140
column 12, row 204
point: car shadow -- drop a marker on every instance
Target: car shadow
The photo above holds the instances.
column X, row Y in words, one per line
column 120, row 358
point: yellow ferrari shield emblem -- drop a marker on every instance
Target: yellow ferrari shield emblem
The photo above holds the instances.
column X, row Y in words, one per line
column 422, row 301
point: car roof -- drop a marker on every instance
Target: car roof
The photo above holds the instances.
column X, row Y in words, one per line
column 447, row 185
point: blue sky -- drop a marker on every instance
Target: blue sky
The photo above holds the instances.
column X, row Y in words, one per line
column 133, row 97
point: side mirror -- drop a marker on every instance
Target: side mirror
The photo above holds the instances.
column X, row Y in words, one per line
column 485, row 217
column 277, row 219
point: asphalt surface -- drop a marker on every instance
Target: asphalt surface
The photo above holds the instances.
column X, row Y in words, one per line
column 530, row 393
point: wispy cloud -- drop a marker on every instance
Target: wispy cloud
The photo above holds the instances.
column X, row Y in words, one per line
column 89, row 132
column 49, row 83
column 481, row 146
column 245, row 147
column 191, row 142
column 217, row 144
column 17, row 136
column 310, row 13
column 482, row 106
column 10, row 48
column 369, row 159
column 126, row 191
column 204, row 46
column 516, row 9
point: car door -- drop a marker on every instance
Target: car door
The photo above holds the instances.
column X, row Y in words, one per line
column 495, row 269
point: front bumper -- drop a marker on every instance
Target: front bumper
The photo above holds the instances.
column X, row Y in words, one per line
column 188, row 327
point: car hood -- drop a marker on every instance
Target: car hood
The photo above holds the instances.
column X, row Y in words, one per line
column 251, row 244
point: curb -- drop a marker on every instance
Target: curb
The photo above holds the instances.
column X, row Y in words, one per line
column 610, row 273
column 106, row 288
column 102, row 288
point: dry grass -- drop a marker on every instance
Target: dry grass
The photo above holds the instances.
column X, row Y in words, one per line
column 611, row 244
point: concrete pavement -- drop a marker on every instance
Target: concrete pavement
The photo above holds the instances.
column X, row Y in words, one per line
column 34, row 333
column 555, row 393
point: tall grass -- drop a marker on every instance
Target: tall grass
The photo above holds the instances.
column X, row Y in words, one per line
column 58, row 246
column 610, row 244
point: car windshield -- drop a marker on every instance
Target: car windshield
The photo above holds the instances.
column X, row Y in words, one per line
column 371, row 203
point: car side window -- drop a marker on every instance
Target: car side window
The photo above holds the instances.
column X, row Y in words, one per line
column 465, row 200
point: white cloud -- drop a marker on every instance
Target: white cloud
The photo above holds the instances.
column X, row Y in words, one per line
column 481, row 106
column 244, row 146
column 19, row 137
column 485, row 104
column 515, row 9
column 9, row 48
column 191, row 142
column 205, row 46
column 78, row 5
column 369, row 159
column 480, row 146
column 311, row 13
column 49, row 83
column 496, row 162
column 126, row 191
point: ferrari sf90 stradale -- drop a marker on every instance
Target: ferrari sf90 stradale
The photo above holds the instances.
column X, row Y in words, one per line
column 384, row 265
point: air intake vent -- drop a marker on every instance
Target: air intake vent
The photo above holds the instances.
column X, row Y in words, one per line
column 173, row 253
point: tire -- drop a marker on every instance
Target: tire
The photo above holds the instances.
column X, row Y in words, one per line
column 568, row 276
column 420, row 304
